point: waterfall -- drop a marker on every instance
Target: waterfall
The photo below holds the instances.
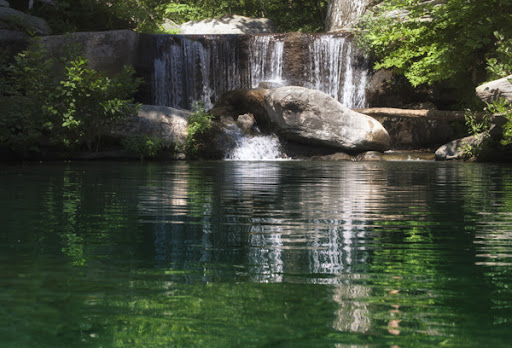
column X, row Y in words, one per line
column 257, row 147
column 189, row 68
column 335, row 70
column 195, row 68
column 266, row 59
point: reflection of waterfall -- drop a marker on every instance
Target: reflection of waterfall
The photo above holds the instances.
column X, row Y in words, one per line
column 192, row 68
column 335, row 71
column 254, row 147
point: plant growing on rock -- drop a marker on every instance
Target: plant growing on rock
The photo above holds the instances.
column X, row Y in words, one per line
column 146, row 146
column 199, row 126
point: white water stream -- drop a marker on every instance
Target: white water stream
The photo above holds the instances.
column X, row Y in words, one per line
column 257, row 147
column 188, row 69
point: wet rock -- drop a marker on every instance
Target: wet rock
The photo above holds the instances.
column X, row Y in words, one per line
column 338, row 156
column 459, row 149
column 242, row 101
column 232, row 24
column 313, row 117
column 369, row 156
column 4, row 3
column 270, row 84
column 246, row 122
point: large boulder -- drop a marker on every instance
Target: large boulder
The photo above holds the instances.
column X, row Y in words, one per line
column 491, row 91
column 233, row 24
column 160, row 121
column 460, row 149
column 12, row 19
column 107, row 51
column 313, row 117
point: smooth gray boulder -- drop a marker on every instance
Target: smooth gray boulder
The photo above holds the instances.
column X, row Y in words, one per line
column 494, row 90
column 161, row 121
column 460, row 149
column 4, row 3
column 12, row 19
column 107, row 51
column 313, row 117
column 233, row 24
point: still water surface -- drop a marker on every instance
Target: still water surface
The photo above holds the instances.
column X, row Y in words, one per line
column 256, row 254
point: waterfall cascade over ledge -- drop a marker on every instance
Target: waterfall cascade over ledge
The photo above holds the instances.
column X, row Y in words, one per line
column 188, row 68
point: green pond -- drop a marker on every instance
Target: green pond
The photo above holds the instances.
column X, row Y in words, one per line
column 256, row 254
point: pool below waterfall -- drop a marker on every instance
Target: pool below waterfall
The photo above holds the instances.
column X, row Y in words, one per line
column 256, row 254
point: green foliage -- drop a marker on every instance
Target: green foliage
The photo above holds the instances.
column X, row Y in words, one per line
column 38, row 109
column 477, row 124
column 148, row 15
column 95, row 15
column 307, row 16
column 482, row 124
column 143, row 145
column 501, row 65
column 24, row 88
column 503, row 107
column 432, row 43
column 89, row 102
column 199, row 126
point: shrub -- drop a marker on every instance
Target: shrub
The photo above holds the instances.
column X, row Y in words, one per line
column 143, row 145
column 199, row 127
column 39, row 109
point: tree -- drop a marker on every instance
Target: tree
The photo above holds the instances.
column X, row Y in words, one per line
column 430, row 42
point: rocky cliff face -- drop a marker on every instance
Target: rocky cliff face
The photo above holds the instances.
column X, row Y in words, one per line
column 343, row 14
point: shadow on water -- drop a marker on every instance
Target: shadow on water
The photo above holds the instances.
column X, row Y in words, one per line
column 283, row 253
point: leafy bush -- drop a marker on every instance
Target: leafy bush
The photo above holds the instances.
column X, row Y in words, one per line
column 501, row 65
column 143, row 145
column 40, row 109
column 89, row 102
column 25, row 85
column 199, row 126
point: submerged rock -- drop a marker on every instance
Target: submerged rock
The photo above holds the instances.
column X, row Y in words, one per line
column 313, row 117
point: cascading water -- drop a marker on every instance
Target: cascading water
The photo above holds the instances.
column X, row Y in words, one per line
column 266, row 59
column 200, row 68
column 195, row 68
column 335, row 70
column 258, row 147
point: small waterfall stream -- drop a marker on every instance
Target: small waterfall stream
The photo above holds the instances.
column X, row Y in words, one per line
column 334, row 71
column 257, row 147
column 266, row 59
column 201, row 67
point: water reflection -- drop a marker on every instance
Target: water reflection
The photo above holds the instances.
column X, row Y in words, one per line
column 254, row 254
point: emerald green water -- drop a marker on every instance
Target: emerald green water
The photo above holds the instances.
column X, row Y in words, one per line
column 256, row 254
